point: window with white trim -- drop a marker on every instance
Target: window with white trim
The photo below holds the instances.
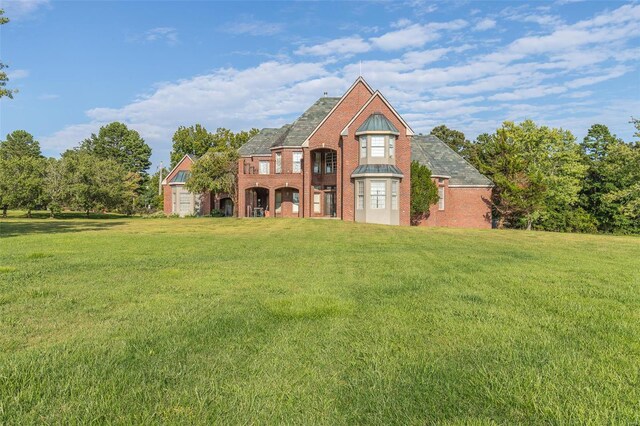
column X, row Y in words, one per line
column 392, row 143
column 378, row 194
column 278, row 162
column 264, row 168
column 394, row 195
column 360, row 193
column 363, row 147
column 317, row 159
column 377, row 146
column 441, row 198
column 297, row 162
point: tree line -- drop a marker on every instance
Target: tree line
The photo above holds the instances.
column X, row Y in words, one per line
column 109, row 171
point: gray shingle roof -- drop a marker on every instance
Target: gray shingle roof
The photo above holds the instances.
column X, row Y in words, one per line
column 260, row 143
column 291, row 134
column 443, row 161
column 377, row 168
column 377, row 123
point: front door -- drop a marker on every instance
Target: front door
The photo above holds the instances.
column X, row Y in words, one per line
column 330, row 203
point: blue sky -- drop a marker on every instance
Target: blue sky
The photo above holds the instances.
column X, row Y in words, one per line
column 156, row 65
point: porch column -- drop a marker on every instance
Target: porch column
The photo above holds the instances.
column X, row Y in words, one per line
column 272, row 202
column 241, row 207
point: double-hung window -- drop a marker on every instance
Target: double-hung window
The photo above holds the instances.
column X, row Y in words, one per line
column 392, row 143
column 297, row 162
column 360, row 193
column 377, row 146
column 317, row 159
column 264, row 168
column 394, row 195
column 378, row 194
column 363, row 147
column 441, row 198
column 278, row 162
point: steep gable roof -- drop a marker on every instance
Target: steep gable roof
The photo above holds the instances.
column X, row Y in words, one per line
column 305, row 125
column 193, row 158
column 359, row 80
column 443, row 161
column 377, row 94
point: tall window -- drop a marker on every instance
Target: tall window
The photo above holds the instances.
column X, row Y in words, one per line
column 363, row 147
column 330, row 162
column 360, row 193
column 441, row 198
column 394, row 195
column 279, row 201
column 317, row 159
column 278, row 162
column 392, row 148
column 295, row 199
column 297, row 162
column 264, row 167
column 378, row 194
column 377, row 146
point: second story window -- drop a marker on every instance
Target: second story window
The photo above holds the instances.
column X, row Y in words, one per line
column 363, row 147
column 330, row 163
column 317, row 159
column 377, row 146
column 297, row 162
column 392, row 148
column 278, row 162
column 264, row 167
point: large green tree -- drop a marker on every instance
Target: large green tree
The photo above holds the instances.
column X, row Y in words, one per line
column 56, row 189
column 95, row 183
column 197, row 140
column 21, row 172
column 537, row 174
column 424, row 192
column 20, row 143
column 216, row 171
column 117, row 142
column 151, row 197
column 455, row 139
column 3, row 75
column 22, row 182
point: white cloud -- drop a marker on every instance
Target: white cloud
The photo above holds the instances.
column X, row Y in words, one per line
column 167, row 34
column 17, row 74
column 238, row 99
column 20, row 9
column 415, row 35
column 485, row 24
column 342, row 46
column 253, row 27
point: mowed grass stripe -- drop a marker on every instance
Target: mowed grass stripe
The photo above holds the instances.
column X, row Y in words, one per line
column 302, row 321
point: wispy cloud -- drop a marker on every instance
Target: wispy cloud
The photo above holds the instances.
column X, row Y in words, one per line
column 21, row 9
column 253, row 27
column 485, row 24
column 17, row 74
column 166, row 34
column 343, row 46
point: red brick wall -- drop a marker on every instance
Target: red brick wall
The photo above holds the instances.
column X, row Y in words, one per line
column 328, row 136
column 272, row 181
column 464, row 208
column 403, row 159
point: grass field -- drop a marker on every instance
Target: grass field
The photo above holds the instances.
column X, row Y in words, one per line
column 217, row 321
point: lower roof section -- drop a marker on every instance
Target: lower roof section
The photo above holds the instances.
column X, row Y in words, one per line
column 379, row 170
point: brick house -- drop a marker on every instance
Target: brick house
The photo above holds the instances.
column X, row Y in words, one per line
column 350, row 158
column 177, row 200
column 347, row 158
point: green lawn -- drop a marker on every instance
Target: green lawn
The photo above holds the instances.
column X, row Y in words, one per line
column 216, row 321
